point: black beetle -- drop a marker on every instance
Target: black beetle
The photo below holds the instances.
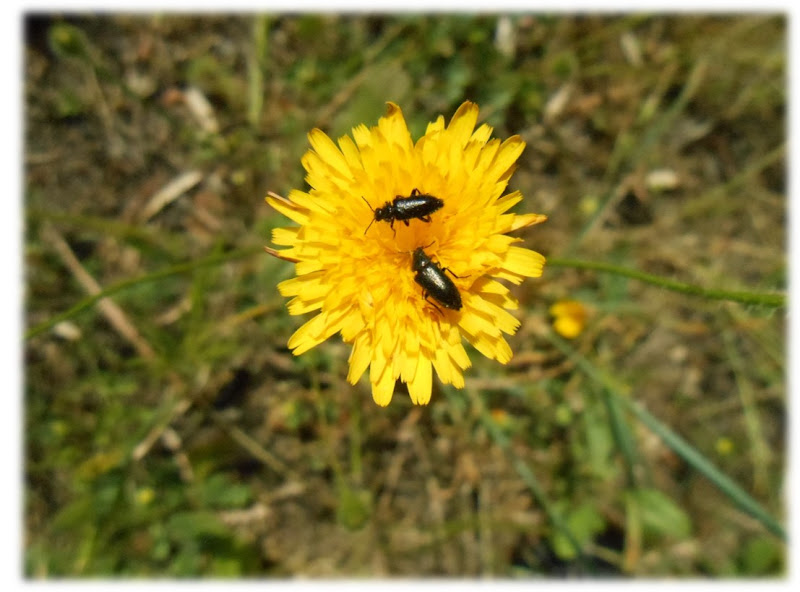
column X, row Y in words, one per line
column 434, row 282
column 417, row 205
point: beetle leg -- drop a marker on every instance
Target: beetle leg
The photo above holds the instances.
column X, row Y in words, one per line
column 454, row 275
column 433, row 304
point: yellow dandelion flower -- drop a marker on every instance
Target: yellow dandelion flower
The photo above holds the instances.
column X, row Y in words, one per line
column 359, row 253
column 570, row 318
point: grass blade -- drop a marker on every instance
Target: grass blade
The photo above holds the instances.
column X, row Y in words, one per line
column 215, row 259
column 681, row 447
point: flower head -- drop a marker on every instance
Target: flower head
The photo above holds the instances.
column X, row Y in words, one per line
column 570, row 318
column 364, row 280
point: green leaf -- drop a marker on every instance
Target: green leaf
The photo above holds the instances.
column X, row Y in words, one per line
column 226, row 567
column 659, row 514
column 68, row 41
column 354, row 508
column 762, row 556
column 69, row 104
column 75, row 514
column 219, row 491
column 185, row 526
column 599, row 440
column 584, row 522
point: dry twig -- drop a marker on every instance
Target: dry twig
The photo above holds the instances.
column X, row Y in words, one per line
column 108, row 307
column 170, row 192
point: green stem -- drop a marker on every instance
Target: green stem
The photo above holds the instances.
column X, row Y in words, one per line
column 356, row 465
column 151, row 277
column 256, row 66
column 772, row 299
column 105, row 227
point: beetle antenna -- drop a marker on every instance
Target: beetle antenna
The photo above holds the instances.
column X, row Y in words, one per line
column 373, row 211
column 369, row 206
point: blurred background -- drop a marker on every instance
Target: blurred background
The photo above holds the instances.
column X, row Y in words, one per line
column 168, row 431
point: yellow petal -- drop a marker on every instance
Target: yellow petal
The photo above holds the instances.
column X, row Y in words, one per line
column 284, row 236
column 298, row 306
column 288, row 209
column 486, row 285
column 359, row 358
column 524, row 262
column 350, row 152
column 508, row 201
column 447, row 368
column 420, row 387
column 329, row 152
column 353, row 324
column 443, row 366
column 306, row 336
column 488, row 154
column 382, row 386
column 459, row 355
column 494, row 348
column 462, row 123
column 316, row 203
column 503, row 164
column 494, row 292
column 309, row 285
column 362, row 136
column 523, row 220
column 482, row 134
column 474, row 323
column 499, row 243
column 315, row 331
column 433, row 127
column 394, row 128
column 404, row 367
column 495, row 315
column 306, row 267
